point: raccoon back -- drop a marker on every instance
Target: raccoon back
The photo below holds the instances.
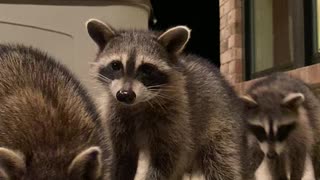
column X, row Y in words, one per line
column 45, row 113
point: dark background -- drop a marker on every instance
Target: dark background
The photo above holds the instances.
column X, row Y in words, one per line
column 201, row 16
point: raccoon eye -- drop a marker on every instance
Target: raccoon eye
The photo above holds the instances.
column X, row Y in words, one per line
column 284, row 131
column 259, row 132
column 116, row 65
column 147, row 70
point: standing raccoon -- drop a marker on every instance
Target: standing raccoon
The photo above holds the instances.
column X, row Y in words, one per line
column 49, row 127
column 283, row 118
column 177, row 109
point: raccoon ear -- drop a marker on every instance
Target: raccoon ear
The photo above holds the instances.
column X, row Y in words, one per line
column 12, row 164
column 249, row 101
column 87, row 164
column 293, row 100
column 99, row 32
column 175, row 39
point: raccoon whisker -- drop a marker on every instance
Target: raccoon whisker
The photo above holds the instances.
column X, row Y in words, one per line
column 99, row 75
column 170, row 98
column 168, row 90
column 162, row 90
column 150, row 103
column 155, row 86
column 103, row 78
column 167, row 99
column 93, row 75
column 159, row 85
column 144, row 99
column 162, row 87
column 158, row 102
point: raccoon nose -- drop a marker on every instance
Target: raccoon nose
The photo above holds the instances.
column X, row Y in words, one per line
column 125, row 96
column 271, row 155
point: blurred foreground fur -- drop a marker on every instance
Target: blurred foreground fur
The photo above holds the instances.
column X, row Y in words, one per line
column 49, row 127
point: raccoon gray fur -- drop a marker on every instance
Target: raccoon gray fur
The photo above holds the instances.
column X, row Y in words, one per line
column 283, row 117
column 176, row 108
column 49, row 126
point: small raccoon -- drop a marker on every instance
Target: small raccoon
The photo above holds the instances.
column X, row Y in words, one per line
column 49, row 126
column 177, row 109
column 283, row 117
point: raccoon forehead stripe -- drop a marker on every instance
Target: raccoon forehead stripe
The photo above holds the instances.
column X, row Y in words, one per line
column 130, row 64
column 161, row 65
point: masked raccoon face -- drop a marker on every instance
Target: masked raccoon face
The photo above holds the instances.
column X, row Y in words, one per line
column 137, row 66
column 273, row 127
column 130, row 83
column 272, row 137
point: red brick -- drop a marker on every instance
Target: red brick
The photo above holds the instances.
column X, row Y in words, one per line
column 221, row 2
column 235, row 28
column 231, row 39
column 235, row 40
column 231, row 54
column 225, row 8
column 238, row 66
column 224, row 34
column 235, row 4
column 232, row 67
column 237, row 53
column 223, row 21
column 224, row 68
column 234, row 16
column 223, row 46
column 235, row 66
column 226, row 56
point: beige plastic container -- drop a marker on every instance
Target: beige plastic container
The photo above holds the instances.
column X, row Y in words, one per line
column 58, row 26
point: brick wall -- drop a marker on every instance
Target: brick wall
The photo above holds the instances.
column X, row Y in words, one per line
column 231, row 40
column 232, row 45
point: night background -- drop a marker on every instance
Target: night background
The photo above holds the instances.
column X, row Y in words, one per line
column 201, row 16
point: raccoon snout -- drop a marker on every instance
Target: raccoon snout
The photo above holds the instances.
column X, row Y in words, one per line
column 126, row 96
column 272, row 155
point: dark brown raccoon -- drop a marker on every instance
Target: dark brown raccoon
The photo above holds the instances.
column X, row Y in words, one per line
column 49, row 127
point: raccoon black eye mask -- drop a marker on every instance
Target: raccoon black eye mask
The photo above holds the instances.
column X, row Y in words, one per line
column 282, row 132
column 112, row 71
column 149, row 75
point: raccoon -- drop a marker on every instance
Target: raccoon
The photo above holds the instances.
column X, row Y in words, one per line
column 175, row 108
column 283, row 118
column 50, row 128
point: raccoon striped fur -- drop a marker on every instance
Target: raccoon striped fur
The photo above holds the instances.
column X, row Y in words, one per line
column 176, row 108
column 49, row 126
